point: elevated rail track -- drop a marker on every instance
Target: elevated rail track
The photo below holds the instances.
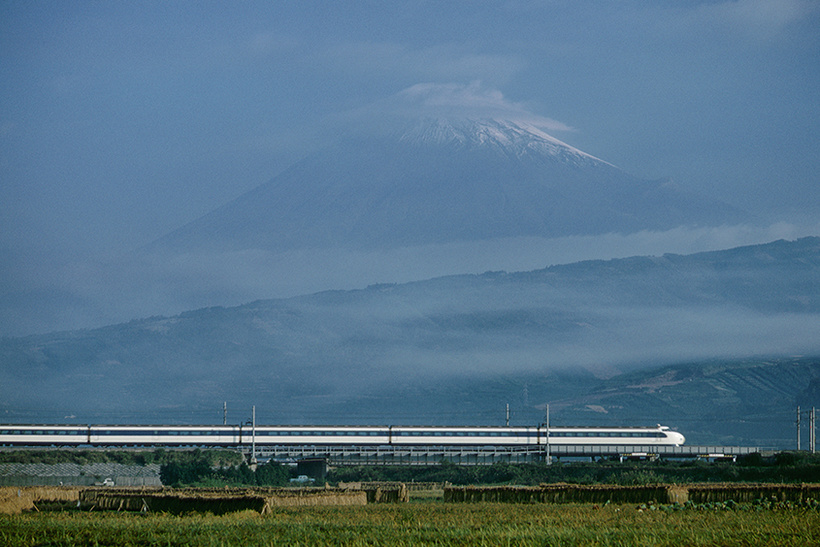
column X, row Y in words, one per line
column 487, row 455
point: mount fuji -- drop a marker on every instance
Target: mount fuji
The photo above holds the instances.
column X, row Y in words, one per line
column 440, row 180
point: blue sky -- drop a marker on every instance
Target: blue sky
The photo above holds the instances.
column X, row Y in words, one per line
column 120, row 121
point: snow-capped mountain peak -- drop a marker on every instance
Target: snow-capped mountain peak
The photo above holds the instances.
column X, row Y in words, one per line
column 512, row 138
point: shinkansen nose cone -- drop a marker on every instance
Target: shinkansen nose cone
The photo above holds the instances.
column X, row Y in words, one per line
column 676, row 438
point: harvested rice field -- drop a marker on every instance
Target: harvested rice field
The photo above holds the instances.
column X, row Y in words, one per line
column 430, row 523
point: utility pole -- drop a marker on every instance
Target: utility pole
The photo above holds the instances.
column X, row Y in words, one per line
column 253, row 437
column 225, row 413
column 812, row 414
column 798, row 429
column 547, row 420
column 508, row 415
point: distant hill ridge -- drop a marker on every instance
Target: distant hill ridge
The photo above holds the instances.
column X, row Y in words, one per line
column 454, row 349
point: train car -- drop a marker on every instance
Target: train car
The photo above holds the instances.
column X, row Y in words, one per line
column 163, row 435
column 464, row 436
column 43, row 435
column 320, row 435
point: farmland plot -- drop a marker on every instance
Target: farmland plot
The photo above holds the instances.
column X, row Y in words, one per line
column 426, row 523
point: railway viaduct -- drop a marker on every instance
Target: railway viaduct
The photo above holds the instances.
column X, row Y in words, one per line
column 479, row 455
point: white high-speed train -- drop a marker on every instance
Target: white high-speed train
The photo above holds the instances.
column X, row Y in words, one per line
column 226, row 435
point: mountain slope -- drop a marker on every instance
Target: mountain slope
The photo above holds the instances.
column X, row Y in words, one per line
column 440, row 180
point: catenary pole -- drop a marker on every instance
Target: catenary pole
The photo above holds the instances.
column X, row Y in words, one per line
column 547, row 417
column 798, row 429
column 253, row 435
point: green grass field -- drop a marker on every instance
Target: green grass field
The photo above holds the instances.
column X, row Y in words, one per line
column 423, row 523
